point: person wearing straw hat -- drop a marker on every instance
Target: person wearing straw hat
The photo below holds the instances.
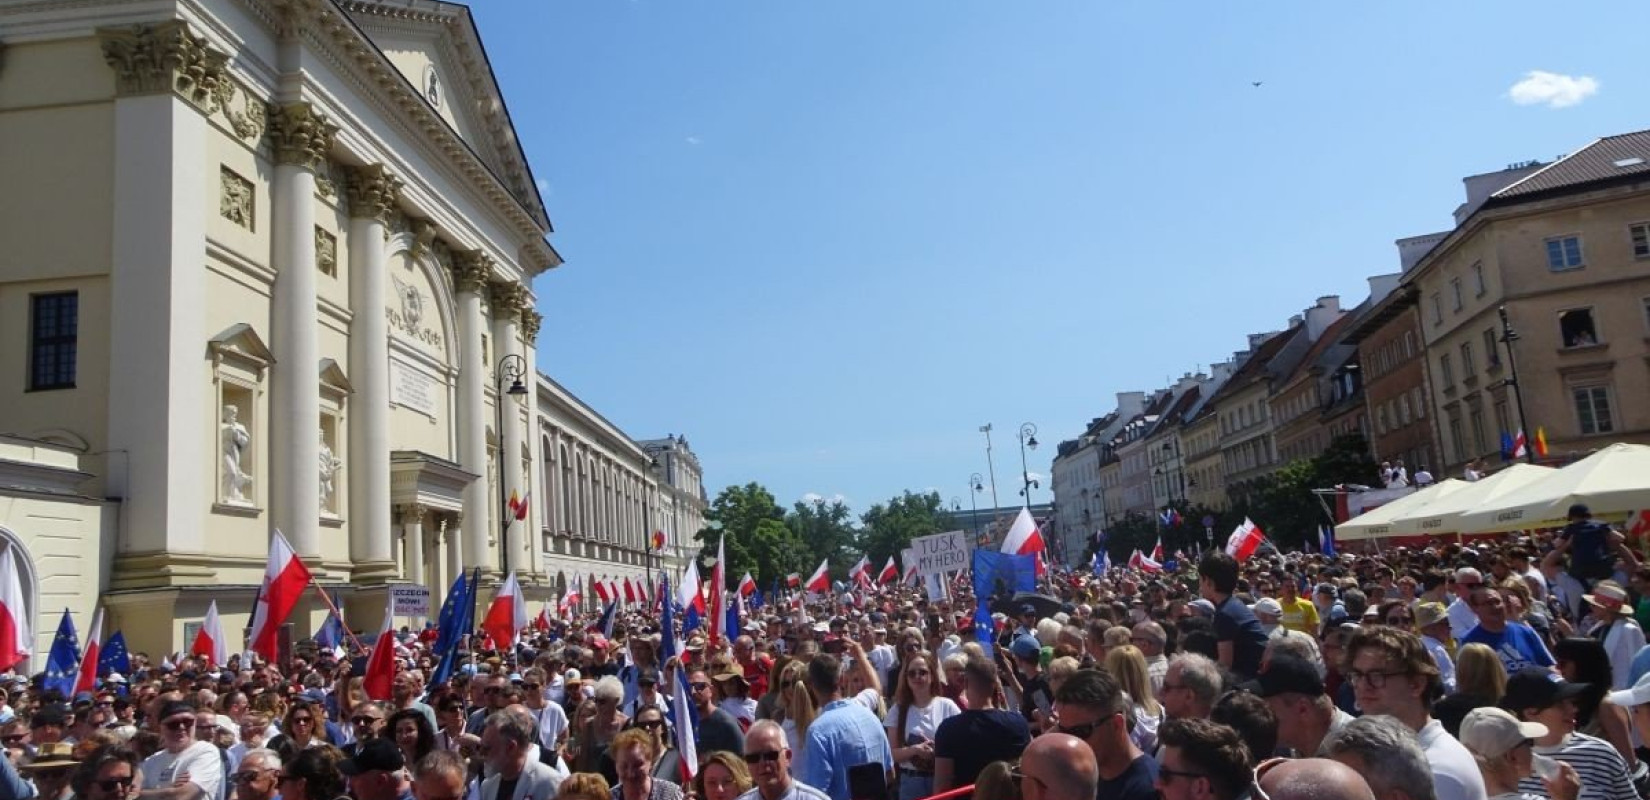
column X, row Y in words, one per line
column 1504, row 749
column 50, row 770
column 1613, row 624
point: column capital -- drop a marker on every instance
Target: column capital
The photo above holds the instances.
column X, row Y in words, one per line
column 530, row 321
column 301, row 135
column 372, row 191
column 167, row 57
column 413, row 513
column 508, row 298
column 471, row 270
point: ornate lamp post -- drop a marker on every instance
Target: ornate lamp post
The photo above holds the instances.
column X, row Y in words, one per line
column 1028, row 438
column 975, row 486
column 512, row 368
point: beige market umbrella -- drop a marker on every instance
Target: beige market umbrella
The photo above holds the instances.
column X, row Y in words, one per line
column 1443, row 515
column 1378, row 522
column 1614, row 480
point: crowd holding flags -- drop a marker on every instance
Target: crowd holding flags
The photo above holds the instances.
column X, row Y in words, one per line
column 210, row 642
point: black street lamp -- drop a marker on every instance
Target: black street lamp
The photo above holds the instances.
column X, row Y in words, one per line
column 1509, row 336
column 976, row 484
column 1028, row 438
column 512, row 367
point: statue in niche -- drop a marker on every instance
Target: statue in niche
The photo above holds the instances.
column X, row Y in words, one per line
column 235, row 440
column 329, row 469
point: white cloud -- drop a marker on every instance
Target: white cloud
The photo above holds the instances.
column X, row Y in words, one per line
column 694, row 140
column 1036, row 476
column 816, row 497
column 812, row 497
column 544, row 186
column 1551, row 89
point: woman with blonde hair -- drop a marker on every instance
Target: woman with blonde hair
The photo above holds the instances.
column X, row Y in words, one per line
column 796, row 707
column 723, row 776
column 912, row 722
column 605, row 723
column 1480, row 680
column 1128, row 665
column 584, row 786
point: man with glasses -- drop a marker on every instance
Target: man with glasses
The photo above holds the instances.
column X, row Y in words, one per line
column 1202, row 760
column 511, row 774
column 256, row 776
column 1092, row 707
column 1191, row 685
column 185, row 768
column 770, row 765
column 1461, row 616
column 493, row 700
column 1057, row 766
column 1517, row 644
column 375, row 771
column 717, row 730
column 1151, row 639
column 1391, row 673
column 368, row 723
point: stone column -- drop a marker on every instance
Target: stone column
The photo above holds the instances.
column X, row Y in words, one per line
column 451, row 529
column 541, row 478
column 301, row 138
column 470, row 271
column 507, row 299
column 371, row 192
column 412, row 531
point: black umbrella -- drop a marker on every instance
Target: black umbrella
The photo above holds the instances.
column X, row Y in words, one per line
column 1044, row 605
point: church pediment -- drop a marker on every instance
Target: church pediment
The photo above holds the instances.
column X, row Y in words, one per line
column 436, row 47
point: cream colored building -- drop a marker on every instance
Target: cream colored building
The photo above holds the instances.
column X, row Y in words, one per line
column 1565, row 248
column 267, row 260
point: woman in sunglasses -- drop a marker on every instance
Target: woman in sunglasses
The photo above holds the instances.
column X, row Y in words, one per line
column 668, row 765
column 301, row 729
column 109, row 773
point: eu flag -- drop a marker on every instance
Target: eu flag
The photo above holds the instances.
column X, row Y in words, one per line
column 456, row 618
column 63, row 665
column 114, row 657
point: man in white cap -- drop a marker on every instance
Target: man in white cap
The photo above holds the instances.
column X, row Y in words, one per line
column 1505, row 751
column 1611, row 622
column 1462, row 618
column 1270, row 614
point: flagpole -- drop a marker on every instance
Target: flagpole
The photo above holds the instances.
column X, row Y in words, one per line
column 325, row 598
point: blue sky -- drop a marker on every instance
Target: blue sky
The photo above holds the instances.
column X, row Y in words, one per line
column 828, row 240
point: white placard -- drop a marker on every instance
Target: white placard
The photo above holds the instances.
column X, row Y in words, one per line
column 940, row 553
column 410, row 601
column 412, row 389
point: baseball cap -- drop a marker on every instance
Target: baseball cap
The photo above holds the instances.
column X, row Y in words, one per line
column 172, row 709
column 1286, row 674
column 1267, row 606
column 1430, row 614
column 1490, row 732
column 1026, row 646
column 1536, row 687
column 648, row 675
column 376, row 753
column 1202, row 606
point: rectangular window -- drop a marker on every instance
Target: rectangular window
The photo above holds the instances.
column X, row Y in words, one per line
column 1437, row 309
column 1593, row 410
column 1501, row 417
column 1409, row 344
column 1468, row 368
column 1492, row 351
column 1420, row 404
column 1478, row 441
column 1447, row 370
column 1403, row 409
column 1576, row 328
column 1455, row 294
column 1478, row 287
column 1455, row 437
column 1641, row 239
column 1564, row 252
column 54, row 324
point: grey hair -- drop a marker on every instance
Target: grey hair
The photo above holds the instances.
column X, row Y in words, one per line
column 441, row 762
column 1391, row 755
column 512, row 727
column 271, row 759
column 1296, row 644
column 1201, row 675
column 766, row 725
column 609, row 688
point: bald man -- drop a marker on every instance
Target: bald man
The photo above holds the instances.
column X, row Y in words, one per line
column 1059, row 766
column 1314, row 779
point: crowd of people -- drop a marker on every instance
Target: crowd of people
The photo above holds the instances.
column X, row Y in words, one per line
column 1506, row 669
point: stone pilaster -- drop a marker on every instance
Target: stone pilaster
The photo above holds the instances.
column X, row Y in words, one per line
column 162, row 57
column 371, row 192
column 471, row 272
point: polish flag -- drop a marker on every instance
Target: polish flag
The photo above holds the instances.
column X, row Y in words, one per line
column 542, row 621
column 570, row 599
column 793, row 580
column 718, row 583
column 629, row 590
column 209, row 640
column 889, row 572
column 15, row 632
column 689, row 593
column 859, row 569
column 381, row 664
column 1157, row 551
column 613, row 588
column 821, row 580
column 1023, row 537
column 285, row 577
column 88, row 659
column 507, row 616
column 1144, row 564
column 747, row 585
column 1245, row 540
column 602, row 592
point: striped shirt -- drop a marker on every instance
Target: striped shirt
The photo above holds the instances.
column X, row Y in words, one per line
column 1602, row 771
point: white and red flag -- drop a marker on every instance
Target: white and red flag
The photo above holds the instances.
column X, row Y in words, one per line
column 16, row 634
column 889, row 572
column 380, row 677
column 1024, row 539
column 570, row 600
column 690, row 593
column 859, row 569
column 613, row 588
column 209, row 640
column 88, row 657
column 602, row 592
column 1157, row 551
column 747, row 585
column 629, row 590
column 1245, row 540
column 542, row 621
column 718, row 587
column 821, row 580
column 507, row 615
column 793, row 580
column 1144, row 563
column 285, row 577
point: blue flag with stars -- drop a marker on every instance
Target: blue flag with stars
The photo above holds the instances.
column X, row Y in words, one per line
column 63, row 665
column 113, row 657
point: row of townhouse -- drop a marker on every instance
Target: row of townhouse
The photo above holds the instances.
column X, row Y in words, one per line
column 1557, row 254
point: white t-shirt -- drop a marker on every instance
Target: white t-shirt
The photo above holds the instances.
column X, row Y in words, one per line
column 1455, row 774
column 200, row 760
column 552, row 722
column 871, row 700
column 920, row 723
column 742, row 708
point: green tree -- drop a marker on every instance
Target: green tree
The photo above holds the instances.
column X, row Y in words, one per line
column 738, row 512
column 826, row 529
column 776, row 551
column 889, row 527
column 1347, row 460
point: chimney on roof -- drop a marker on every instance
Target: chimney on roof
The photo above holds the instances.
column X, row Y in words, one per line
column 1322, row 315
column 1382, row 285
column 1130, row 403
column 1255, row 341
column 1295, row 321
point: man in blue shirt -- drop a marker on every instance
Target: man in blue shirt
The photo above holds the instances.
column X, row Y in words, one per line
column 845, row 734
column 1517, row 644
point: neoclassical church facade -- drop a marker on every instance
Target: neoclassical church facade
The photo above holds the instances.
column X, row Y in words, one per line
column 271, row 265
